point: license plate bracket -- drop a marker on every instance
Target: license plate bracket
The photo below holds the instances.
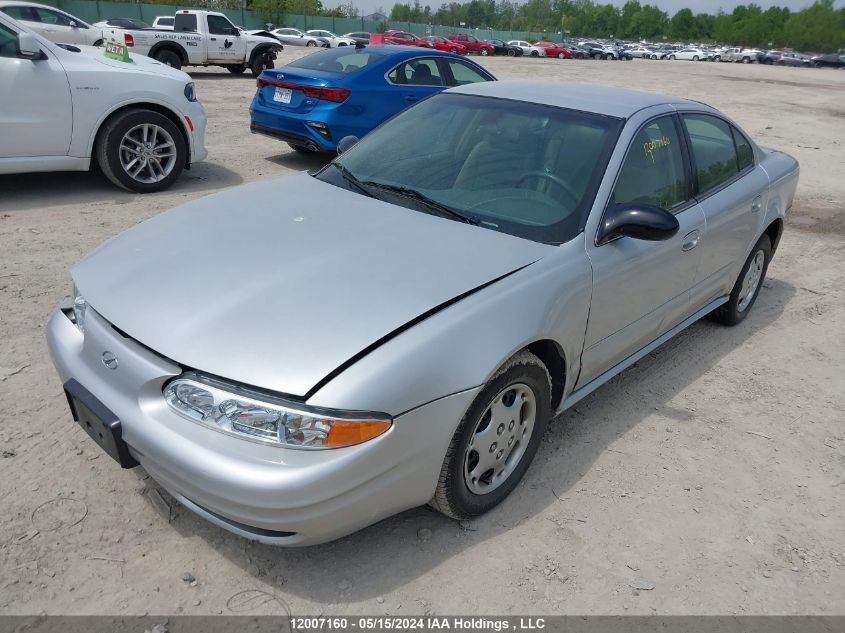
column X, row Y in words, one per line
column 99, row 423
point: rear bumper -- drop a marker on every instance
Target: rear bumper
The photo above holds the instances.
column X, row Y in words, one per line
column 293, row 128
column 270, row 494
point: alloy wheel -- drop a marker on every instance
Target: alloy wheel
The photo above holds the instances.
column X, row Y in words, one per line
column 147, row 153
column 751, row 281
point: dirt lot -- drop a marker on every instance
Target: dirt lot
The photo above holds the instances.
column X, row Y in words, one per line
column 714, row 469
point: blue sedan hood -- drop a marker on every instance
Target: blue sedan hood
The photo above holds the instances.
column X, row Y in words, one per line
column 278, row 283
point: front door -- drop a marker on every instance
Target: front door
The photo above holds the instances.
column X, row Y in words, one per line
column 36, row 115
column 641, row 288
column 226, row 44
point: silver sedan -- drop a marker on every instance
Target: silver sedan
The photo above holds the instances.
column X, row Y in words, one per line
column 294, row 371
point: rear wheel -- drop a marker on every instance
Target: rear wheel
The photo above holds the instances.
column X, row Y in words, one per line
column 141, row 150
column 746, row 60
column 169, row 58
column 609, row 56
column 695, row 58
column 496, row 440
column 747, row 285
column 511, row 52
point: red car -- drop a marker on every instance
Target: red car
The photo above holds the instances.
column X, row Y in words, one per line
column 472, row 43
column 405, row 38
column 442, row 44
column 555, row 50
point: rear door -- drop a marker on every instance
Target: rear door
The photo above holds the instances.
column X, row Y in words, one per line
column 36, row 115
column 416, row 79
column 226, row 44
column 731, row 189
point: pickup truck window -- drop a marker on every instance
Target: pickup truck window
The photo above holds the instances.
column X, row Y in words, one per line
column 653, row 171
column 185, row 23
column 218, row 25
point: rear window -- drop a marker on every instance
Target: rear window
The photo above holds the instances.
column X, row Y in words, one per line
column 185, row 23
column 337, row 60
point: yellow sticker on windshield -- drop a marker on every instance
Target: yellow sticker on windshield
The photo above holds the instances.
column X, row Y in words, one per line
column 650, row 146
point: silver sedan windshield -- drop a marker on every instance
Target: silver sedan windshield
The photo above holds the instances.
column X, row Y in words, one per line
column 525, row 169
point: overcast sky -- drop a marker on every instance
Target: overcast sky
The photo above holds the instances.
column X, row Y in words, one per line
column 671, row 6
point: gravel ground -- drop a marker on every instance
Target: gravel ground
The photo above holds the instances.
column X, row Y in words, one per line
column 707, row 479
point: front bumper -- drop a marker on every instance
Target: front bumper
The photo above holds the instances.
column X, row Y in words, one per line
column 199, row 120
column 270, row 494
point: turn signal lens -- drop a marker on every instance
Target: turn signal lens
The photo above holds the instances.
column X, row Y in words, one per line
column 267, row 419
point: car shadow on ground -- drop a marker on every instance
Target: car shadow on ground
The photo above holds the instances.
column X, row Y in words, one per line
column 420, row 539
column 312, row 162
column 29, row 191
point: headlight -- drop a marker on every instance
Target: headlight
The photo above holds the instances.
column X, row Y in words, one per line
column 80, row 306
column 190, row 94
column 267, row 419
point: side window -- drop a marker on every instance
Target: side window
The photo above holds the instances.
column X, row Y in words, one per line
column 26, row 14
column 713, row 150
column 744, row 153
column 218, row 25
column 52, row 17
column 464, row 73
column 653, row 171
column 8, row 42
column 417, row 72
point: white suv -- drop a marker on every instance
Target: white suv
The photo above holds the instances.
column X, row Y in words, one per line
column 56, row 26
column 63, row 106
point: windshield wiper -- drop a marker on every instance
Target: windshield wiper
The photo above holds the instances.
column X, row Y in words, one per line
column 415, row 195
column 349, row 177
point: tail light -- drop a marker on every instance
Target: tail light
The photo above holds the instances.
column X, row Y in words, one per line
column 336, row 95
column 128, row 39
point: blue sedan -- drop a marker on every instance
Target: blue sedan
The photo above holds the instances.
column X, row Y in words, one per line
column 317, row 100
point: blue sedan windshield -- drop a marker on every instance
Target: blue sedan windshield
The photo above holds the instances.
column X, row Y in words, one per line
column 521, row 168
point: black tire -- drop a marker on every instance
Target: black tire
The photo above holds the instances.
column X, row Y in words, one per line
column 484, row 52
column 311, row 43
column 107, row 149
column 560, row 55
column 535, row 54
column 511, row 52
column 608, row 56
column 98, row 43
column 695, row 58
column 236, row 70
column 301, row 149
column 672, row 57
column 260, row 63
column 453, row 496
column 597, row 55
column 169, row 58
column 730, row 313
column 746, row 60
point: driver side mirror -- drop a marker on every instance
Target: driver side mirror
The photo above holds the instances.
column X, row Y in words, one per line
column 345, row 143
column 28, row 46
column 639, row 221
column 72, row 24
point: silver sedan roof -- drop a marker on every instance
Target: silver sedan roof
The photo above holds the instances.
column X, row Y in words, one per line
column 607, row 100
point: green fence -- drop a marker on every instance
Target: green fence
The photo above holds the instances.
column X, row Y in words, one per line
column 94, row 10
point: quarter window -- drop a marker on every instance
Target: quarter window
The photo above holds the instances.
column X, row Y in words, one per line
column 744, row 153
column 713, row 150
column 653, row 171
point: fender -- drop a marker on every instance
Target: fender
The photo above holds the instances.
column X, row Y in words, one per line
column 139, row 101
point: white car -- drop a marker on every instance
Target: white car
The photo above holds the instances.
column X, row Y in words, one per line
column 164, row 22
column 57, row 26
column 529, row 49
column 122, row 23
column 333, row 40
column 642, row 52
column 690, row 54
column 295, row 37
column 63, row 107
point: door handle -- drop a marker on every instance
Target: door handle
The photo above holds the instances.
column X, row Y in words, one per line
column 213, row 39
column 690, row 240
column 757, row 204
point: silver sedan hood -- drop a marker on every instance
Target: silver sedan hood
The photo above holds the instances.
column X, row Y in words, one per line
column 278, row 283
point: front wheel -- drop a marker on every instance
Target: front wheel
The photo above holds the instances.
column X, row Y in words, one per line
column 453, row 50
column 695, row 58
column 141, row 150
column 560, row 55
column 261, row 63
column 496, row 440
column 236, row 70
column 747, row 286
column 672, row 57
column 609, row 56
column 535, row 54
column 311, row 43
column 484, row 52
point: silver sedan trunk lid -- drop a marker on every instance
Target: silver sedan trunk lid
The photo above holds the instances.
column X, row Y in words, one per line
column 278, row 283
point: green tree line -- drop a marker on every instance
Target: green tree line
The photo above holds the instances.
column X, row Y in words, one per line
column 819, row 27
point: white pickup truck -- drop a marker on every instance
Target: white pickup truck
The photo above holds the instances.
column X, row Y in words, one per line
column 201, row 38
